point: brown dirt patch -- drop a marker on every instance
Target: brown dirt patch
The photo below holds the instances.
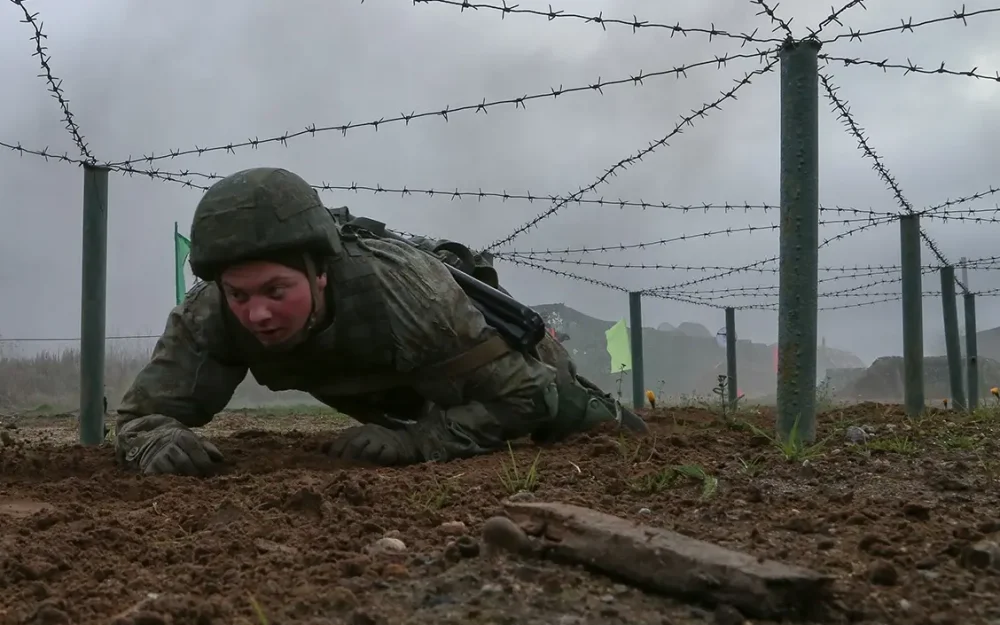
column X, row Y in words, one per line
column 895, row 520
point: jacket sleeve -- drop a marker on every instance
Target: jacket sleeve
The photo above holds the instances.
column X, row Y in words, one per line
column 188, row 377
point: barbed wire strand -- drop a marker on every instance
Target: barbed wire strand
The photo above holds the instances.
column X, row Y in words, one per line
column 686, row 120
column 54, row 84
column 635, row 23
column 843, row 112
column 868, row 223
column 445, row 113
column 985, row 264
column 910, row 67
column 834, row 18
column 601, row 283
column 908, row 25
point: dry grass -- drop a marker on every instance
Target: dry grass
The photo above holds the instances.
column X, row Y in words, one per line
column 47, row 381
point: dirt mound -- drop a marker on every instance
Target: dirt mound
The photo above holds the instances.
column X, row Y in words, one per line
column 903, row 521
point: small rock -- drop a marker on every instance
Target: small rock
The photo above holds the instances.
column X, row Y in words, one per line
column 905, row 605
column 491, row 588
column 856, row 435
column 343, row 599
column 501, row 532
column 452, row 528
column 645, row 512
column 727, row 615
column 982, row 555
column 386, row 545
column 883, row 574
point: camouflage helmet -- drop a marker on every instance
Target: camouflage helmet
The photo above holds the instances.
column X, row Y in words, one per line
column 255, row 213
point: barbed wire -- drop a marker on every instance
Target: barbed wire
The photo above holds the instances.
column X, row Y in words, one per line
column 174, row 177
column 54, row 84
column 594, row 281
column 844, row 115
column 34, row 339
column 985, row 264
column 868, row 223
column 941, row 211
column 910, row 67
column 964, row 200
column 686, row 120
column 780, row 24
column 834, row 18
column 635, row 23
column 768, row 289
column 908, row 25
column 484, row 106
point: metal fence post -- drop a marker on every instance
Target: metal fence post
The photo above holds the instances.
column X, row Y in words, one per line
column 93, row 304
column 731, row 356
column 952, row 344
column 635, row 337
column 799, row 240
column 971, row 351
column 911, row 277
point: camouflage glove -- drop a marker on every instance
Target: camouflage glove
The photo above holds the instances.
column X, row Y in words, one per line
column 158, row 444
column 581, row 409
column 375, row 444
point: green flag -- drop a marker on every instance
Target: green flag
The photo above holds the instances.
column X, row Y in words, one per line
column 618, row 347
column 182, row 246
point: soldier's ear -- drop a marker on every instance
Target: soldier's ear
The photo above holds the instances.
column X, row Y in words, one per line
column 321, row 281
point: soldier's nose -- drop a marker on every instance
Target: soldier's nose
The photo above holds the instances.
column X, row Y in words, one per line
column 259, row 314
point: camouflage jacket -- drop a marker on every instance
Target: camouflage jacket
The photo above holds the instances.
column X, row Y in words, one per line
column 398, row 312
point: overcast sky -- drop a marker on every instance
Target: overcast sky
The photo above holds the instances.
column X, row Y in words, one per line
column 150, row 77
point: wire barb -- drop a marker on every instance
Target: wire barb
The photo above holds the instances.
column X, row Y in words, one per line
column 843, row 112
column 443, row 113
column 635, row 23
column 54, row 84
column 686, row 120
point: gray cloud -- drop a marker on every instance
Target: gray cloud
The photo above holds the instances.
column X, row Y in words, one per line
column 144, row 78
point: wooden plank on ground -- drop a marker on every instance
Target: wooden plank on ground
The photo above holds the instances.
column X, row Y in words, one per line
column 671, row 563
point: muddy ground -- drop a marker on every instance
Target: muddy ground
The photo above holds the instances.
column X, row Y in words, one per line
column 903, row 518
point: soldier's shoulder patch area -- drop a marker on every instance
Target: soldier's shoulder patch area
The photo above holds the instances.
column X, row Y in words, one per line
column 202, row 315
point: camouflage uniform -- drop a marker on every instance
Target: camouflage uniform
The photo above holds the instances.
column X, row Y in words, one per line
column 402, row 350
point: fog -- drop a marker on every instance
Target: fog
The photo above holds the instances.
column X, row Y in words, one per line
column 147, row 78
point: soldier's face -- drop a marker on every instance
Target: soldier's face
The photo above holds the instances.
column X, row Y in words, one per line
column 270, row 300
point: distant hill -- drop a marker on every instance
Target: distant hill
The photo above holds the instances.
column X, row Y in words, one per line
column 685, row 360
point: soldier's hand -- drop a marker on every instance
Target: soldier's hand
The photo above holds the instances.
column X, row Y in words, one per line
column 172, row 449
column 374, row 444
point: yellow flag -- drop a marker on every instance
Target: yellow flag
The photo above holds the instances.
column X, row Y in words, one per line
column 618, row 347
